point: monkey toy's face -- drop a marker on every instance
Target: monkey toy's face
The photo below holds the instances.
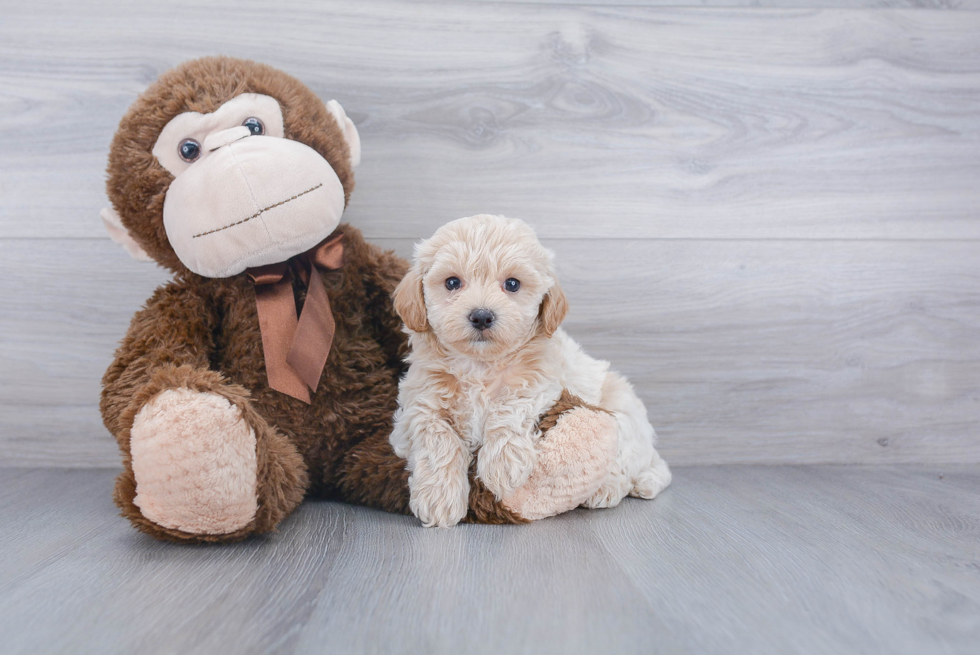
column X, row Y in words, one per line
column 243, row 195
column 245, row 178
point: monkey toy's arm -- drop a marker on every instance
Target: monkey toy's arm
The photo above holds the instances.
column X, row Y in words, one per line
column 174, row 329
column 383, row 271
column 200, row 463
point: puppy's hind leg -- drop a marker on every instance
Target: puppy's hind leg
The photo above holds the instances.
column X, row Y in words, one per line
column 652, row 480
column 618, row 482
column 639, row 471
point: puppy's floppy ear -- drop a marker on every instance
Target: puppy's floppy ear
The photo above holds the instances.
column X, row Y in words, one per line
column 410, row 301
column 554, row 306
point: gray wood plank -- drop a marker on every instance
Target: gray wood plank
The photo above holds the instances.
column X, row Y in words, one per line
column 574, row 602
column 61, row 435
column 954, row 5
column 600, row 121
column 863, row 538
column 729, row 559
column 33, row 540
column 744, row 351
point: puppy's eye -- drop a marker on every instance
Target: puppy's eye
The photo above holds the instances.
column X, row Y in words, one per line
column 189, row 150
column 254, row 126
column 512, row 284
column 453, row 283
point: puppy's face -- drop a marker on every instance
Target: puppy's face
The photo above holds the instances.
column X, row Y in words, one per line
column 483, row 285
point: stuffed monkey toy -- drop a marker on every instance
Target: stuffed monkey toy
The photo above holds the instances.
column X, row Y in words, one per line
column 267, row 369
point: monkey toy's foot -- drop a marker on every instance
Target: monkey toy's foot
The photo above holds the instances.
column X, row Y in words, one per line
column 195, row 464
column 204, row 466
column 574, row 457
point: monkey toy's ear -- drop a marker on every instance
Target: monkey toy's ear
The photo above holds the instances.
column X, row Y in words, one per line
column 119, row 234
column 350, row 132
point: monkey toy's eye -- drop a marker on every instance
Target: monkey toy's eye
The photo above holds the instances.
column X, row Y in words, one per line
column 512, row 284
column 254, row 126
column 189, row 150
column 453, row 283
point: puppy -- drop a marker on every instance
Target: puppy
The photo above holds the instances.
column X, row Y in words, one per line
column 482, row 309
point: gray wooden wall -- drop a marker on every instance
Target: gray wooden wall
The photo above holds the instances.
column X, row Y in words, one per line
column 766, row 216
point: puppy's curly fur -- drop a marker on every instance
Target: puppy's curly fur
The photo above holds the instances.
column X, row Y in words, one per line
column 483, row 309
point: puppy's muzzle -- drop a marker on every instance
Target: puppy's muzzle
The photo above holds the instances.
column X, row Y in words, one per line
column 481, row 318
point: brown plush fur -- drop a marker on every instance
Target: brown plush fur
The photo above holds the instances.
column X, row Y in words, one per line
column 203, row 334
column 566, row 402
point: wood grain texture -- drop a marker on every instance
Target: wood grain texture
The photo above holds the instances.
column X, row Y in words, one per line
column 954, row 5
column 625, row 121
column 744, row 351
column 729, row 559
column 766, row 217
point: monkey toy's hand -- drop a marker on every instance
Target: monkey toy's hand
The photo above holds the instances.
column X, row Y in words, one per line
column 574, row 457
column 506, row 460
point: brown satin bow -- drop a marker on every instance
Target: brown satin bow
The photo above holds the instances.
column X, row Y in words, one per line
column 296, row 349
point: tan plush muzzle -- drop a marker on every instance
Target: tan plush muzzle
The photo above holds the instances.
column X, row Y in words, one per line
column 250, row 202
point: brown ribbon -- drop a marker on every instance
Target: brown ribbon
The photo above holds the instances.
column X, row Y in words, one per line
column 296, row 349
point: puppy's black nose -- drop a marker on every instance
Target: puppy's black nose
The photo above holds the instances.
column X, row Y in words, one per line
column 481, row 318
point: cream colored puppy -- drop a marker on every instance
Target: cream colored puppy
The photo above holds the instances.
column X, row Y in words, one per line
column 482, row 308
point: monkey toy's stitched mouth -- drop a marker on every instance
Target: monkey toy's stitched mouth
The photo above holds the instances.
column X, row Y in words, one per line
column 260, row 212
column 257, row 201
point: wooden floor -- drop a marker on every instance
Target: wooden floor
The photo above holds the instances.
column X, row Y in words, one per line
column 728, row 560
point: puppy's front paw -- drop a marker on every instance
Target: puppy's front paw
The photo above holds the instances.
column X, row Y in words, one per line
column 505, row 465
column 439, row 500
